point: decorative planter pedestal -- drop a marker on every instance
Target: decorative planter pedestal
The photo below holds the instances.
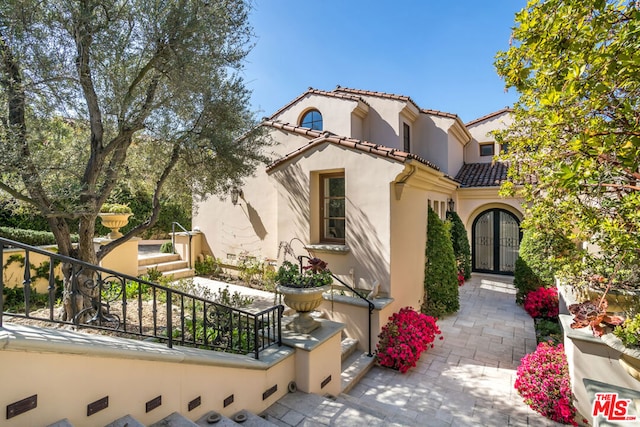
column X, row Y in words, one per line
column 304, row 301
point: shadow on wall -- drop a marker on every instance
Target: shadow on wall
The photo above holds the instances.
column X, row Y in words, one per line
column 297, row 188
column 367, row 248
column 256, row 222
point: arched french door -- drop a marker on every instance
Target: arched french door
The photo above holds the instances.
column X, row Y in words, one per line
column 496, row 239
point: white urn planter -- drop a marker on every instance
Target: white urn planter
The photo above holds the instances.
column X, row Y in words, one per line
column 304, row 301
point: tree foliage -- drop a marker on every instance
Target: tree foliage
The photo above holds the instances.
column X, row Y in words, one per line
column 575, row 141
column 460, row 241
column 91, row 91
column 440, row 275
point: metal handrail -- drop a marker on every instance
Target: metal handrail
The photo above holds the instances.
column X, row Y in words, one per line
column 369, row 303
column 173, row 240
column 201, row 323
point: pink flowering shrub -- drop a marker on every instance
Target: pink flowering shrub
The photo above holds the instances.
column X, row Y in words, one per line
column 542, row 302
column 460, row 278
column 543, row 382
column 404, row 338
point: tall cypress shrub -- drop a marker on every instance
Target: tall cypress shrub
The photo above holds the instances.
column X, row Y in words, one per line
column 441, row 276
column 460, row 241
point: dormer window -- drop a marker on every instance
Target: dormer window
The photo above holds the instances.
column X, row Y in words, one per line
column 312, row 119
column 487, row 149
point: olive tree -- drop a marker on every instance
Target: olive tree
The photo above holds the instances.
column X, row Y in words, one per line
column 575, row 140
column 87, row 86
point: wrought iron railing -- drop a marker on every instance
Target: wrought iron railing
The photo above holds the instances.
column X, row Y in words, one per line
column 132, row 307
column 370, row 305
column 173, row 240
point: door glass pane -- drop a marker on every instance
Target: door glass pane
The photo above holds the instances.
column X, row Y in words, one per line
column 509, row 242
column 483, row 244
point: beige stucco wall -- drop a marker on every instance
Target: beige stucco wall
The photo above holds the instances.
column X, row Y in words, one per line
column 13, row 272
column 481, row 133
column 250, row 226
column 471, row 202
column 87, row 371
column 337, row 117
column 123, row 259
column 367, row 180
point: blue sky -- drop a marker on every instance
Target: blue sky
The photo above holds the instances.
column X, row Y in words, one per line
column 438, row 52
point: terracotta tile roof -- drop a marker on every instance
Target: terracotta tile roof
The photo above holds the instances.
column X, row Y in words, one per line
column 322, row 137
column 489, row 116
column 482, row 174
column 396, row 97
column 441, row 114
column 312, row 91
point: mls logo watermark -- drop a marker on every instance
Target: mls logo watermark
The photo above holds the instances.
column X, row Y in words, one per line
column 612, row 407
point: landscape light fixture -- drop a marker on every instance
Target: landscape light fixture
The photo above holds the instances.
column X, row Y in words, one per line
column 235, row 193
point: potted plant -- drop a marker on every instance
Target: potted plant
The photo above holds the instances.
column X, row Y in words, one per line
column 114, row 216
column 302, row 288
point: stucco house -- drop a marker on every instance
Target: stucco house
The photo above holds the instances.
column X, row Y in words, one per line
column 352, row 176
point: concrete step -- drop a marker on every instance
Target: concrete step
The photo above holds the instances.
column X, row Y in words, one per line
column 163, row 266
column 354, row 368
column 62, row 423
column 157, row 259
column 349, row 345
column 180, row 273
column 244, row 418
column 174, row 420
column 126, row 421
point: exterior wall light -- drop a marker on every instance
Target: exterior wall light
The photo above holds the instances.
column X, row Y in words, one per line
column 452, row 205
column 235, row 193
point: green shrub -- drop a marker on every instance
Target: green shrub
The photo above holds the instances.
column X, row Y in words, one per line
column 460, row 241
column 441, row 276
column 629, row 331
column 31, row 237
column 116, row 208
column 541, row 255
column 525, row 280
column 208, row 266
column 166, row 248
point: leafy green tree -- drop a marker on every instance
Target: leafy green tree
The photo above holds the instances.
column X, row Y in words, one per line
column 460, row 241
column 440, row 273
column 91, row 90
column 575, row 141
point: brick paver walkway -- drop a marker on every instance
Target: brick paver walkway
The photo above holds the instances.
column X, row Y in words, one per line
column 465, row 380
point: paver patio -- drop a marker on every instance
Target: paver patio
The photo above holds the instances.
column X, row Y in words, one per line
column 465, row 380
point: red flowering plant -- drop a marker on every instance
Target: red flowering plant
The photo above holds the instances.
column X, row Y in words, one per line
column 542, row 380
column 460, row 278
column 407, row 334
column 542, row 302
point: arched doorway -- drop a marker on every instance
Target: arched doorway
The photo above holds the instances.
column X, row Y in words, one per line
column 496, row 239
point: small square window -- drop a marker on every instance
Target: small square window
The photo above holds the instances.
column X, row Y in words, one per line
column 487, row 149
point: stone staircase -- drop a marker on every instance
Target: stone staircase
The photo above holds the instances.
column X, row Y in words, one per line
column 355, row 364
column 210, row 419
column 169, row 265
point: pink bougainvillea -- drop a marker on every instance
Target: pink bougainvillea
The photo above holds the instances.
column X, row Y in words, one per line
column 543, row 382
column 404, row 338
column 543, row 302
